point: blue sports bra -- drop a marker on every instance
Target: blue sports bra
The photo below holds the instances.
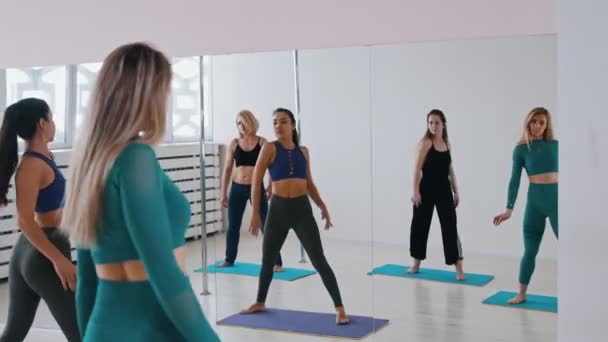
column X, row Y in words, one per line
column 50, row 197
column 288, row 163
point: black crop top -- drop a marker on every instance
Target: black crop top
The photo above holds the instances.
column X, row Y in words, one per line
column 247, row 158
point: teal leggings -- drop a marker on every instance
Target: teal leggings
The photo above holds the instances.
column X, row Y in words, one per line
column 130, row 311
column 541, row 204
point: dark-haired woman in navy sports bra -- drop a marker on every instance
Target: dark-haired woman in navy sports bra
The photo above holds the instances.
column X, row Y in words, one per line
column 41, row 265
column 289, row 166
column 241, row 155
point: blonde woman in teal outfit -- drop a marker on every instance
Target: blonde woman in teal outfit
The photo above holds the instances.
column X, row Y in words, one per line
column 537, row 152
column 126, row 216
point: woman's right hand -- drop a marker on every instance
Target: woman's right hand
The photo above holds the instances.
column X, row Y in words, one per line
column 66, row 271
column 416, row 199
column 225, row 201
column 256, row 223
column 498, row 219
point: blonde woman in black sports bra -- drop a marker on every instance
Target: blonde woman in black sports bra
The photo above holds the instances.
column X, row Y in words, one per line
column 241, row 157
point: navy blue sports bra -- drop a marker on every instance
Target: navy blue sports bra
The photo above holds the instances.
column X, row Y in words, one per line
column 50, row 197
column 288, row 163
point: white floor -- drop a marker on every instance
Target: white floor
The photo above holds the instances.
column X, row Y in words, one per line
column 418, row 310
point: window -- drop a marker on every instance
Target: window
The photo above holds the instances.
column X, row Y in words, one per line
column 47, row 83
column 185, row 101
column 207, row 97
column 68, row 90
column 85, row 81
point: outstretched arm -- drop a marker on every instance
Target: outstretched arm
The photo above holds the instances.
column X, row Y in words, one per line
column 423, row 148
column 264, row 159
column 269, row 183
column 515, row 180
column 228, row 165
column 313, row 192
column 27, row 185
column 147, row 221
column 452, row 178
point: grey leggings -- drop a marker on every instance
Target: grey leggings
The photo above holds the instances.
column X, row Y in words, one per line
column 31, row 277
column 296, row 213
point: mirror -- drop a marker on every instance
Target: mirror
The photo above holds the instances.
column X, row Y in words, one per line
column 309, row 84
column 485, row 88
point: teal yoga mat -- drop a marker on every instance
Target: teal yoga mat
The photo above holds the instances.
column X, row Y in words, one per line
column 432, row 274
column 533, row 302
column 253, row 270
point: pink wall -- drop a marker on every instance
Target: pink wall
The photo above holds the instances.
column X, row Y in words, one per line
column 60, row 31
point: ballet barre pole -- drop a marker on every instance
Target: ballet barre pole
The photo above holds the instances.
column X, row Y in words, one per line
column 298, row 125
column 203, row 165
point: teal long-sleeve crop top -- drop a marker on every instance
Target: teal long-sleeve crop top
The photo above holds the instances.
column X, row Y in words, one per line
column 541, row 156
column 143, row 217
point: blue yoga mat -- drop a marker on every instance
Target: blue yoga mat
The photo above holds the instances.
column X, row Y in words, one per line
column 247, row 269
column 533, row 302
column 432, row 274
column 311, row 323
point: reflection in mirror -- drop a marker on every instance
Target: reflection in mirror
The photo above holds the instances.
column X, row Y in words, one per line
column 443, row 217
column 244, row 90
column 322, row 286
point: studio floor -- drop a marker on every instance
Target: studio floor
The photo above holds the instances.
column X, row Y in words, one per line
column 417, row 310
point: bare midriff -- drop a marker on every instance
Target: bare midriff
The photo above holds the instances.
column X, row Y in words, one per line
column 133, row 270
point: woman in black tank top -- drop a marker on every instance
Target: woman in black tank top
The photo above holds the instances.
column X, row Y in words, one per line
column 241, row 156
column 435, row 185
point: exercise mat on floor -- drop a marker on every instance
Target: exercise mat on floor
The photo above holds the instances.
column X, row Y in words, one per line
column 310, row 323
column 432, row 274
column 253, row 270
column 533, row 302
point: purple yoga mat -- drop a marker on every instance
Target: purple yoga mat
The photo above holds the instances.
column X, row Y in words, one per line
column 312, row 323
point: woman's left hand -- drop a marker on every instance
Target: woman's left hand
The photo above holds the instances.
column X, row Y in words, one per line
column 325, row 216
column 456, row 200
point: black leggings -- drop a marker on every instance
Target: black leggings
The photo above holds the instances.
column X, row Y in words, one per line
column 296, row 213
column 31, row 277
column 435, row 193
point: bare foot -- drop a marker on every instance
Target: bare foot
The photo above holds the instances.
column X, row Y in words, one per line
column 415, row 268
column 341, row 317
column 459, row 271
column 225, row 264
column 520, row 298
column 257, row 307
column 278, row 268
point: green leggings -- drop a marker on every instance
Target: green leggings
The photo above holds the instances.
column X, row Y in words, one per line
column 541, row 204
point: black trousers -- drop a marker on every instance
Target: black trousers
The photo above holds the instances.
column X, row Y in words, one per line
column 435, row 194
column 32, row 277
column 283, row 215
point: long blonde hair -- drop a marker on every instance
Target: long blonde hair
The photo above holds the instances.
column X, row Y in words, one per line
column 547, row 135
column 250, row 121
column 129, row 104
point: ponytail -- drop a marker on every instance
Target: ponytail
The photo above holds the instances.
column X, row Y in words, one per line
column 295, row 137
column 20, row 120
column 8, row 154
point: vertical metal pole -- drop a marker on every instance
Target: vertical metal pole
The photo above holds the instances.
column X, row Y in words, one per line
column 71, row 104
column 203, row 185
column 298, row 125
column 3, row 90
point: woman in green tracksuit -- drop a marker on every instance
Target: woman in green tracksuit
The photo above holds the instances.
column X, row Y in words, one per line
column 537, row 152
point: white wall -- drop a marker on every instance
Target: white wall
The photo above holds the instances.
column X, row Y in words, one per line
column 583, row 68
column 335, row 119
column 34, row 32
column 485, row 88
column 260, row 82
